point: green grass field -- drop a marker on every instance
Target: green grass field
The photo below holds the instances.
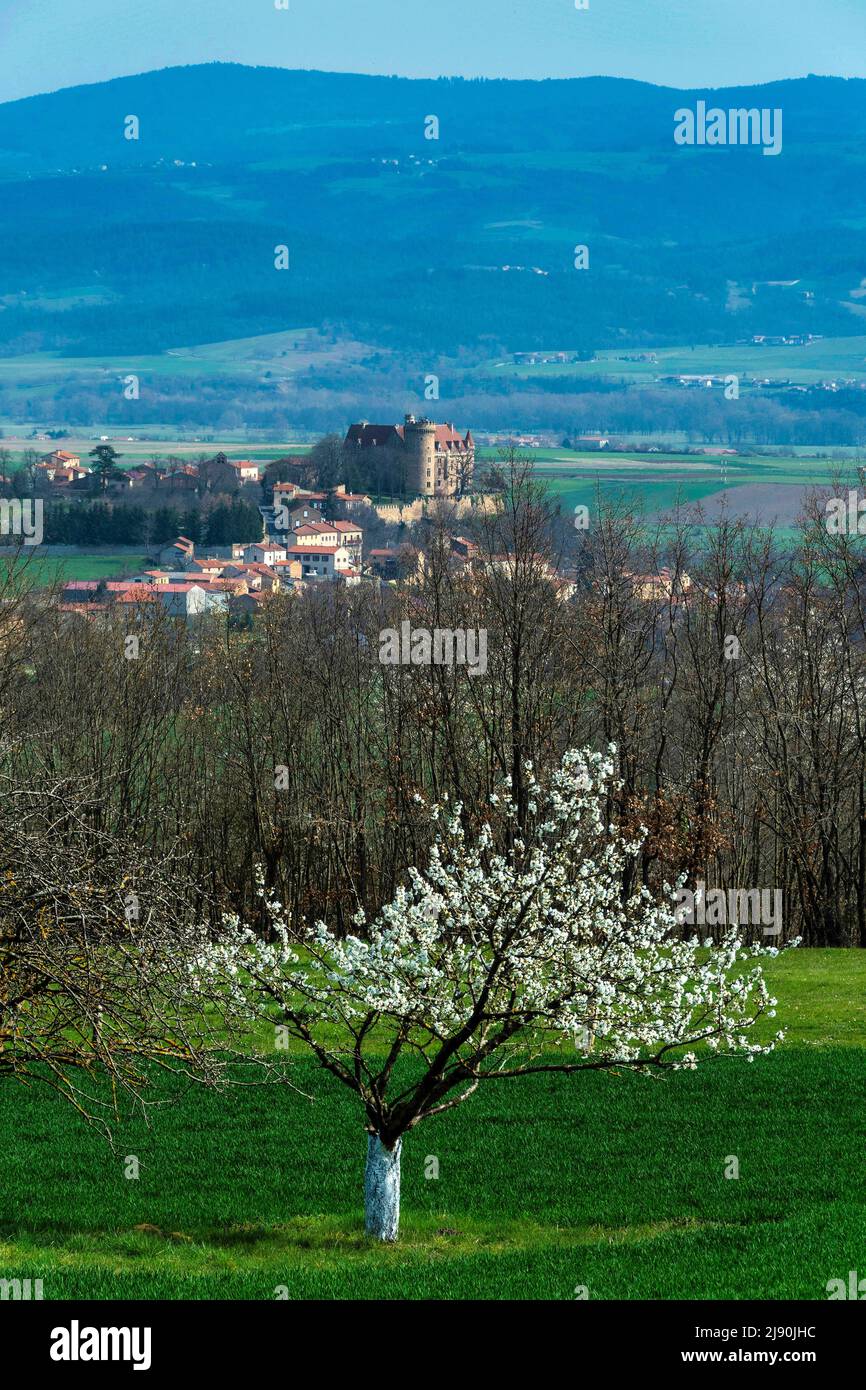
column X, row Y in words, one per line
column 275, row 355
column 45, row 570
column 613, row 1182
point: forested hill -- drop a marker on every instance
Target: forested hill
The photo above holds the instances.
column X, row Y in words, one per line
column 121, row 245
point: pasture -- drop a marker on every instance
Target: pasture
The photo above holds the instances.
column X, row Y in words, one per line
column 612, row 1182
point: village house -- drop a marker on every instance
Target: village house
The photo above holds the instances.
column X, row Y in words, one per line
column 393, row 562
column 290, row 515
column 182, row 479
column 352, row 537
column 383, row 562
column 212, row 583
column 350, row 500
column 60, row 461
column 464, row 551
column 103, row 591
column 189, row 601
column 286, row 496
column 317, row 561
column 259, row 578
column 175, row 478
column 154, row 577
column 179, row 555
column 213, row 568
column 245, row 470
column 660, row 586
column 140, row 477
column 264, row 553
column 318, row 533
column 58, row 472
column 247, row 605
column 222, row 474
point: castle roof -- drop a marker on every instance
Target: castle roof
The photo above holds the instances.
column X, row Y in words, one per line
column 366, row 436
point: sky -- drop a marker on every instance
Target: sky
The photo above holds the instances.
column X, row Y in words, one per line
column 47, row 44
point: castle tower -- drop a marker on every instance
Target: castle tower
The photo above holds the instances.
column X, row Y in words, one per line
column 420, row 440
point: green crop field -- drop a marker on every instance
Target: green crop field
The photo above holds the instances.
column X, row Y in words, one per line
column 823, row 360
column 772, row 488
column 612, row 1182
column 138, row 450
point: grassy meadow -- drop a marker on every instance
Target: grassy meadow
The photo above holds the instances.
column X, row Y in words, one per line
column 43, row 570
column 612, row 1182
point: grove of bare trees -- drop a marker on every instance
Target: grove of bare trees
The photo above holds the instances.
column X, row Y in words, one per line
column 728, row 671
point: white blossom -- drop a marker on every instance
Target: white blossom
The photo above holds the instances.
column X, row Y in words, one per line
column 508, row 942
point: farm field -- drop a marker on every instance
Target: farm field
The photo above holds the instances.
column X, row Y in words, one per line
column 134, row 452
column 824, row 359
column 772, row 488
column 611, row 1182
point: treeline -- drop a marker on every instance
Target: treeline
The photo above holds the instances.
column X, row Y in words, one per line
column 733, row 686
column 766, row 417
column 110, row 523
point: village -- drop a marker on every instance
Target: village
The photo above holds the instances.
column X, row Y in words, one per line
column 309, row 535
column 298, row 547
column 301, row 542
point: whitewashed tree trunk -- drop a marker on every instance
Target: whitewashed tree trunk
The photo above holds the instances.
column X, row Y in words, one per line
column 382, row 1189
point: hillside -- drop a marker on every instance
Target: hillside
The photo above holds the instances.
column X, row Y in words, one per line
column 426, row 255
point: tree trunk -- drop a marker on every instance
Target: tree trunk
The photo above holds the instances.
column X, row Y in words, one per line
column 382, row 1189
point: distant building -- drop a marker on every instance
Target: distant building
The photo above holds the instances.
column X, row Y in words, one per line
column 440, row 462
column 290, row 499
column 222, row 474
column 190, row 600
column 291, row 513
column 59, row 459
column 352, row 537
column 179, row 555
column 350, row 500
column 182, row 479
column 61, row 467
column 264, row 553
column 245, row 470
column 317, row 561
column 394, row 562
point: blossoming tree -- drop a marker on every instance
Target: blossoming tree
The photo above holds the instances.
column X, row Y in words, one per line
column 512, row 953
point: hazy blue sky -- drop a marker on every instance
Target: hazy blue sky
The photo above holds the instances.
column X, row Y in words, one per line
column 45, row 44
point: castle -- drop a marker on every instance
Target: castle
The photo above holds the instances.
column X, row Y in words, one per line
column 440, row 461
